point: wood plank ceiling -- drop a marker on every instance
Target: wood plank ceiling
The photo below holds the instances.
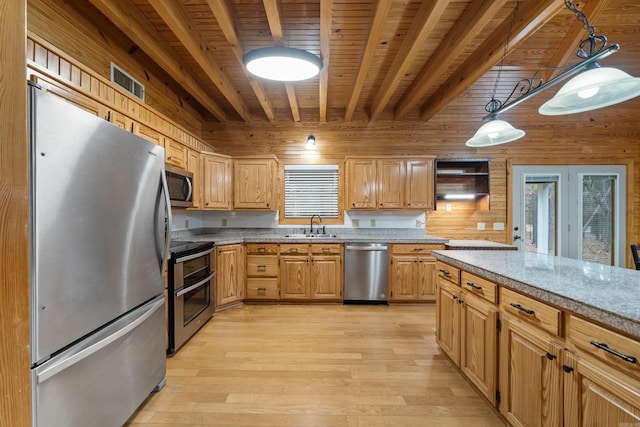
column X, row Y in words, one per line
column 383, row 59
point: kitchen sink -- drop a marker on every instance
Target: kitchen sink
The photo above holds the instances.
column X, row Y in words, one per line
column 309, row 236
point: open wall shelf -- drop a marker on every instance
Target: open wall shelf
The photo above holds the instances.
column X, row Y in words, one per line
column 463, row 180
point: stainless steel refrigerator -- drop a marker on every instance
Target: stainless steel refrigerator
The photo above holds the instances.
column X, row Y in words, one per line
column 98, row 220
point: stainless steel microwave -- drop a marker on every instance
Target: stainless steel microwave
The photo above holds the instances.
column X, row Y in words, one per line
column 180, row 183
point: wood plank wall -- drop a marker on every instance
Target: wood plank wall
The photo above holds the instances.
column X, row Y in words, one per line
column 15, row 391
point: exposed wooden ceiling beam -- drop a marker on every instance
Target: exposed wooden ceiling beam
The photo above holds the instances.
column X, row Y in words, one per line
column 325, row 50
column 568, row 47
column 473, row 20
column 226, row 20
column 136, row 26
column 421, row 28
column 176, row 18
column 272, row 9
column 377, row 24
column 532, row 16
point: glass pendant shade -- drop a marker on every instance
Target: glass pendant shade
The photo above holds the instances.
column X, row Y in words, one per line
column 592, row 89
column 283, row 64
column 495, row 132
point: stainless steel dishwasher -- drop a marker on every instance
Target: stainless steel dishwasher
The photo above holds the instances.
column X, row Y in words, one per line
column 366, row 273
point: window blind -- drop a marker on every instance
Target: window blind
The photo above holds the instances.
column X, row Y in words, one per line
column 310, row 190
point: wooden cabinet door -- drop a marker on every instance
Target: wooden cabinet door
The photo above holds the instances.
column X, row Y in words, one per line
column 597, row 395
column 391, row 175
column 217, row 182
column 530, row 375
column 326, row 278
column 426, row 278
column 175, row 153
column 448, row 321
column 294, row 278
column 479, row 344
column 229, row 274
column 193, row 166
column 361, row 184
column 253, row 183
column 121, row 120
column 148, row 133
column 403, row 286
column 419, row 191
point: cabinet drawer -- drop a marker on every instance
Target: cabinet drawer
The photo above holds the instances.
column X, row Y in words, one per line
column 479, row 286
column 609, row 346
column 294, row 248
column 262, row 265
column 535, row 312
column 414, row 249
column 448, row 273
column 326, row 248
column 262, row 288
column 262, row 248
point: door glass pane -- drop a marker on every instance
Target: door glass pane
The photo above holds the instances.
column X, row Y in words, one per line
column 540, row 214
column 598, row 200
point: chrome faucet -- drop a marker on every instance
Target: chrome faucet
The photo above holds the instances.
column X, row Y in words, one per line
column 311, row 223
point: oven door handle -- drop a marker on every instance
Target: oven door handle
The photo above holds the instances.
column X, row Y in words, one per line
column 194, row 256
column 196, row 286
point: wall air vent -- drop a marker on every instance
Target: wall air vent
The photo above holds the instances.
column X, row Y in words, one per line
column 126, row 82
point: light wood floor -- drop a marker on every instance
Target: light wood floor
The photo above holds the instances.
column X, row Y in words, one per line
column 315, row 365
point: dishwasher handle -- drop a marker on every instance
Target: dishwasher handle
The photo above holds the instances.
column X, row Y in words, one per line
column 377, row 248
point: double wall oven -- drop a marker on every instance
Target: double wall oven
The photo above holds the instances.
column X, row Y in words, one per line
column 191, row 290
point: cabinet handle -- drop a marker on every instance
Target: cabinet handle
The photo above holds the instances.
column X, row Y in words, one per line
column 551, row 356
column 445, row 272
column 567, row 369
column 262, row 289
column 455, row 297
column 326, row 249
column 419, row 249
column 603, row 346
column 460, row 301
column 521, row 308
column 262, row 249
column 262, row 268
column 474, row 286
column 293, row 249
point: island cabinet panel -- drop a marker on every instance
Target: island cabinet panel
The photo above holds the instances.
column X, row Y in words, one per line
column 448, row 320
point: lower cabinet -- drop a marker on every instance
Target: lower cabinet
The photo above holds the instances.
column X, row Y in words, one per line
column 311, row 272
column 262, row 272
column 412, row 273
column 230, row 275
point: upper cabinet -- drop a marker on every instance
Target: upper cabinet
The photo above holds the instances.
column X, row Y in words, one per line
column 175, row 153
column 217, row 182
column 463, row 180
column 254, row 182
column 389, row 183
column 194, row 166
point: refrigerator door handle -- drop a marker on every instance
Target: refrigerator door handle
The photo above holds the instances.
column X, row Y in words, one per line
column 94, row 348
column 167, row 199
column 196, row 286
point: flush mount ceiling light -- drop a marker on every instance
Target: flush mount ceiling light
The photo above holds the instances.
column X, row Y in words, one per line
column 494, row 131
column 283, row 64
column 311, row 143
column 591, row 86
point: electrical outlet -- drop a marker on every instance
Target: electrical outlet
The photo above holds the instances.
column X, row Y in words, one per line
column 481, row 226
column 224, row 222
column 373, row 223
column 186, row 224
column 448, row 207
column 498, row 226
column 355, row 222
column 418, row 223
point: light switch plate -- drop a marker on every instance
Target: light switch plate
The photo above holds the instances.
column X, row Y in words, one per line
column 355, row 222
column 224, row 222
column 498, row 226
column 481, row 226
column 373, row 223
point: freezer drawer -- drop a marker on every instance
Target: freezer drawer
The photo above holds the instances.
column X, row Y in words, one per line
column 102, row 380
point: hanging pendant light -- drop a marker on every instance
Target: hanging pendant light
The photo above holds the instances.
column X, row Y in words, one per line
column 592, row 89
column 495, row 131
column 311, row 143
column 283, row 64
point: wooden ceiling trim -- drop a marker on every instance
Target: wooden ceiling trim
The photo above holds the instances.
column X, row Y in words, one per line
column 136, row 26
column 421, row 28
column 532, row 16
column 377, row 26
column 174, row 15
column 470, row 24
column 226, row 20
column 272, row 9
column 569, row 45
column 325, row 54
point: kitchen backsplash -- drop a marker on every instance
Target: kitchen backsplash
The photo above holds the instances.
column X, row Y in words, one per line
column 360, row 221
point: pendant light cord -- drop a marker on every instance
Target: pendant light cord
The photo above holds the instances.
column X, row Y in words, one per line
column 493, row 103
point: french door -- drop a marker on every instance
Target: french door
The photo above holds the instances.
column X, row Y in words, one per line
column 570, row 211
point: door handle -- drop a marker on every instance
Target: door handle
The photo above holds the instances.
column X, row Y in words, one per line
column 516, row 237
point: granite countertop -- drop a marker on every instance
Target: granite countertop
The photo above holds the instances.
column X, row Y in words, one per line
column 609, row 295
column 478, row 244
column 279, row 238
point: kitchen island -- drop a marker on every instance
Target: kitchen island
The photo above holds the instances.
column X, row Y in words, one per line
column 547, row 340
